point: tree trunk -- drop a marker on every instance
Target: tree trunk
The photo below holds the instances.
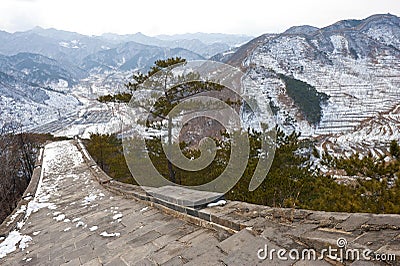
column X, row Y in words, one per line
column 170, row 169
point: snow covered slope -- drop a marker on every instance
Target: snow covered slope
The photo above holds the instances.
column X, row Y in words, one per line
column 355, row 62
column 34, row 89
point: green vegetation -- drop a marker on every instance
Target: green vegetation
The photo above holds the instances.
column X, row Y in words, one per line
column 306, row 97
column 107, row 151
column 289, row 182
column 120, row 97
column 171, row 96
column 365, row 167
column 394, row 149
column 140, row 78
column 377, row 188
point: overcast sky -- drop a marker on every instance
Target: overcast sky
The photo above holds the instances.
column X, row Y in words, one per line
column 154, row 17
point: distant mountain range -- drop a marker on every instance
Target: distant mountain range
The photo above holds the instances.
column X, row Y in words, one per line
column 70, row 48
column 204, row 44
column 132, row 56
column 41, row 57
column 39, row 68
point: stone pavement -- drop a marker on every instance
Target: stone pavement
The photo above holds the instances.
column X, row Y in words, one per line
column 74, row 220
column 79, row 222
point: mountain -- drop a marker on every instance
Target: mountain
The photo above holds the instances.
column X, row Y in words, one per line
column 137, row 37
column 28, row 77
column 66, row 47
column 131, row 55
column 209, row 38
column 204, row 44
column 355, row 63
column 74, row 50
column 305, row 29
column 34, row 89
column 37, row 70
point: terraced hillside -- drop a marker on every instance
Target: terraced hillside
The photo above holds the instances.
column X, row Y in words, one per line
column 356, row 63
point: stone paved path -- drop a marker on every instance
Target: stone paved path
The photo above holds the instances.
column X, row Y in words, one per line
column 78, row 222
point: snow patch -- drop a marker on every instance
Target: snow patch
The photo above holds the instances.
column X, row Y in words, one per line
column 218, row 203
column 59, row 218
column 10, row 243
column 20, row 210
column 93, row 228
column 117, row 216
column 144, row 209
column 81, row 224
column 89, row 199
column 25, row 239
column 105, row 234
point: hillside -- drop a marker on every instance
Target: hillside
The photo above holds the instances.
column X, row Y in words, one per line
column 354, row 62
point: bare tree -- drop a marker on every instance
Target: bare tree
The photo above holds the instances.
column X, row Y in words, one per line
column 17, row 158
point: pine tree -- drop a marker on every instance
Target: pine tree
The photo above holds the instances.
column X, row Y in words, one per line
column 188, row 87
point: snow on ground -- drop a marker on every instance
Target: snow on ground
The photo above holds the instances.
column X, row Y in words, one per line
column 117, row 216
column 105, row 234
column 373, row 135
column 59, row 218
column 144, row 209
column 10, row 243
column 362, row 91
column 88, row 199
column 81, row 224
column 58, row 159
column 62, row 163
column 218, row 203
column 20, row 210
column 42, row 197
column 38, row 202
column 93, row 228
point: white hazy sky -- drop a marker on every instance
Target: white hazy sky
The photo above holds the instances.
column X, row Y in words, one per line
column 154, row 17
